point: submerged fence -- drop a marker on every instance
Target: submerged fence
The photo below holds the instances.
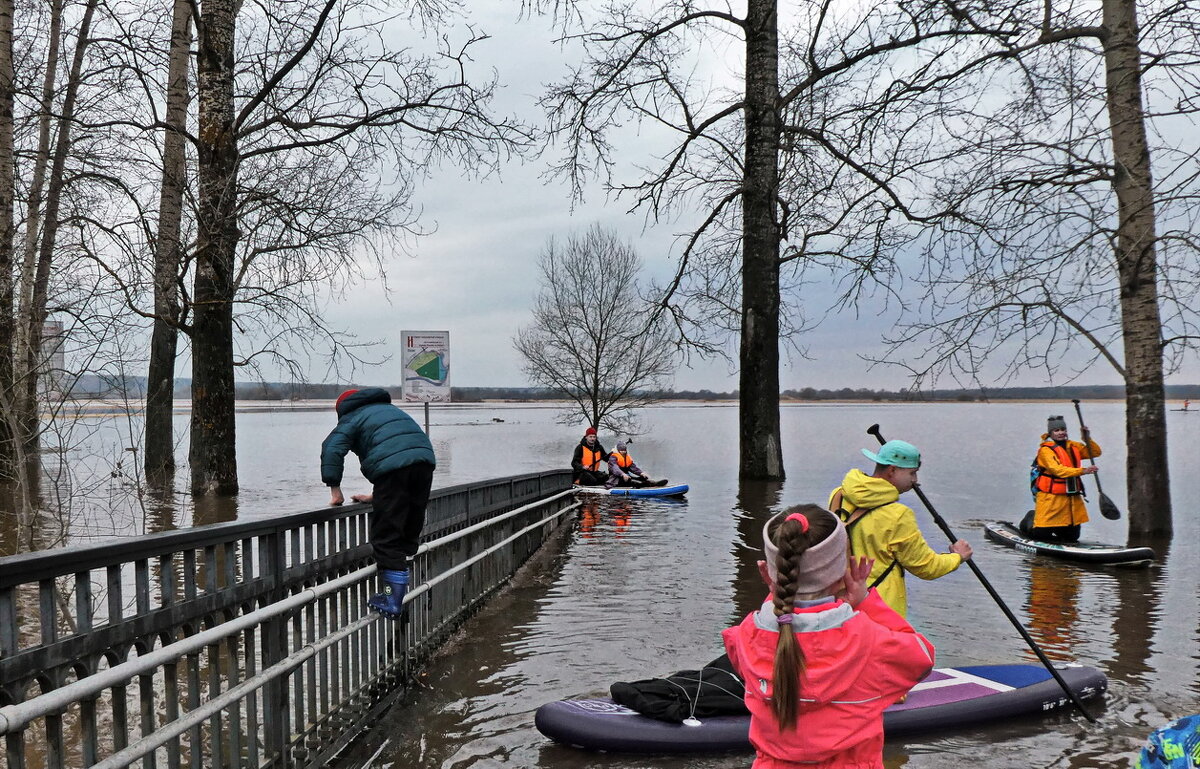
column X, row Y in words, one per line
column 244, row 644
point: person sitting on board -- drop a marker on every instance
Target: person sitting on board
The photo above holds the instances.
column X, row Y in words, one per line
column 1059, row 510
column 396, row 456
column 885, row 530
column 623, row 471
column 587, row 461
column 824, row 655
column 1174, row 746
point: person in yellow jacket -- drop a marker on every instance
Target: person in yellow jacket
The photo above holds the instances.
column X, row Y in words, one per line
column 1059, row 508
column 884, row 529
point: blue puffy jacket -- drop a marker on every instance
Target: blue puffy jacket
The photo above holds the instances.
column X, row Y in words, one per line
column 382, row 436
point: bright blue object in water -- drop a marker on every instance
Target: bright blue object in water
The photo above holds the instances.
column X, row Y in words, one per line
column 1174, row 746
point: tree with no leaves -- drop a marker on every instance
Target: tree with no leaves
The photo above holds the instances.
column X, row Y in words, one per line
column 592, row 337
column 1065, row 240
column 782, row 140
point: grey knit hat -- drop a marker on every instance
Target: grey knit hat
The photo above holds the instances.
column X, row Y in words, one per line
column 1055, row 423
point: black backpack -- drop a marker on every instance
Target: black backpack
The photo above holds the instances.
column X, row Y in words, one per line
column 713, row 690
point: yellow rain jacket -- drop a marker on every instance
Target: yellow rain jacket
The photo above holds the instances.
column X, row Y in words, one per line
column 1061, row 509
column 887, row 533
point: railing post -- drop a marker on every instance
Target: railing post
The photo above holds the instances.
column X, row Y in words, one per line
column 272, row 563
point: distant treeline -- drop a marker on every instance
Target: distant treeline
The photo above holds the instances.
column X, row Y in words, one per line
column 1083, row 392
column 135, row 387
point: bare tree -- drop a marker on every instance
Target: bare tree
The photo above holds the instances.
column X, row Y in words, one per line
column 592, row 337
column 159, row 449
column 291, row 155
column 776, row 154
column 212, row 448
column 8, row 439
column 1060, row 250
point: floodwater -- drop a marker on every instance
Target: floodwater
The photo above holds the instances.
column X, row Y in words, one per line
column 643, row 588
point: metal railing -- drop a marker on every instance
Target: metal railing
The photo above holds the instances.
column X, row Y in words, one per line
column 242, row 644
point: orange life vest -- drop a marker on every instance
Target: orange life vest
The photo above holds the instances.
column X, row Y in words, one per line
column 623, row 460
column 591, row 458
column 1067, row 455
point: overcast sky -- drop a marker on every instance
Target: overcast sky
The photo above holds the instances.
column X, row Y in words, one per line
column 477, row 275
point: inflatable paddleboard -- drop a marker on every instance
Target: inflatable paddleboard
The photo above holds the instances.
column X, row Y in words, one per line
column 946, row 698
column 674, row 490
column 1081, row 552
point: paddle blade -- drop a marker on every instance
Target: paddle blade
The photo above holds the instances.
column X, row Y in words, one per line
column 1108, row 509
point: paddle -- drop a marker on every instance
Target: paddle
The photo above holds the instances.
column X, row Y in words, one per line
column 941, row 522
column 1107, row 508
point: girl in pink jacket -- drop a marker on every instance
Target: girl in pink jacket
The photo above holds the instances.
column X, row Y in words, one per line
column 824, row 656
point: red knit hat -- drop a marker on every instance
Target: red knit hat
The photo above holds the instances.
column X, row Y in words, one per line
column 590, row 431
column 343, row 397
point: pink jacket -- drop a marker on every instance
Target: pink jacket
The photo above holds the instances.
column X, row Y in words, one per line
column 857, row 664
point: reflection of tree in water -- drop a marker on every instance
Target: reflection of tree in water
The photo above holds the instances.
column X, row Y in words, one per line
column 1139, row 607
column 757, row 501
column 1053, row 608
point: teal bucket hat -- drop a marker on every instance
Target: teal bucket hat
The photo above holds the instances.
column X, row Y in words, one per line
column 898, row 453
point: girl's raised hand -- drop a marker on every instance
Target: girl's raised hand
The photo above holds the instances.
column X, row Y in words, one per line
column 857, row 574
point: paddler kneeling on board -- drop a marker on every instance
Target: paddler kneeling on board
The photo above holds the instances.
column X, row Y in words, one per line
column 587, row 461
column 623, row 471
column 1057, row 484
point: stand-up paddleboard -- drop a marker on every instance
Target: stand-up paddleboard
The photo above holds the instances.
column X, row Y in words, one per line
column 674, row 490
column 1080, row 552
column 946, row 698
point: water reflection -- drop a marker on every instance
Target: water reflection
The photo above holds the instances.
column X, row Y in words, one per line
column 1137, row 599
column 757, row 501
column 1053, row 607
column 613, row 517
column 161, row 508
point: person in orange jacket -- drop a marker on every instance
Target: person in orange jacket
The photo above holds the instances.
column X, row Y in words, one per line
column 623, row 471
column 589, row 460
column 1057, row 483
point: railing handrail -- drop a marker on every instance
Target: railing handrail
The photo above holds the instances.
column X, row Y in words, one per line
column 25, row 568
column 14, row 717
column 290, row 663
column 246, row 641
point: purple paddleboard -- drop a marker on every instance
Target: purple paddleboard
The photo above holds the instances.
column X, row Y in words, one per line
column 946, row 698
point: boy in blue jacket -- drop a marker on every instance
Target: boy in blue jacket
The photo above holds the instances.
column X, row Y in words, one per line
column 397, row 458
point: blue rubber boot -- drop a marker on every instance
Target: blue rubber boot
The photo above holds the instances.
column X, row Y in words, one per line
column 390, row 603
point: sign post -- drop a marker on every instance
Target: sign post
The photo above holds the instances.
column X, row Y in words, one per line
column 426, row 359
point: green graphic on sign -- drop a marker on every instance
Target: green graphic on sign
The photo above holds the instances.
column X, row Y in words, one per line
column 428, row 365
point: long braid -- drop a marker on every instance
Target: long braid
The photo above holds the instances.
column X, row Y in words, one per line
column 792, row 541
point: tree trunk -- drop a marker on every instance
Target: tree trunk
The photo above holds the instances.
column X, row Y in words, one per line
column 8, row 450
column 41, row 160
column 758, row 414
column 159, row 455
column 34, row 313
column 213, row 454
column 1137, row 268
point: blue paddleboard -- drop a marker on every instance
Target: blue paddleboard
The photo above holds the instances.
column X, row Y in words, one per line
column 674, row 490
